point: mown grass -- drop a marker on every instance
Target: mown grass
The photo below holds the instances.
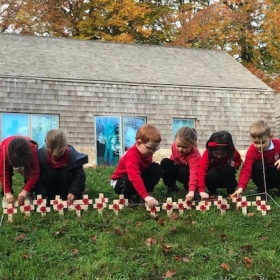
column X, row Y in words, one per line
column 194, row 245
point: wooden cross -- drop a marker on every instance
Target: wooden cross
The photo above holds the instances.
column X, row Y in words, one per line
column 100, row 204
column 43, row 209
column 244, row 204
column 181, row 206
column 40, row 201
column 203, row 205
column 257, row 202
column 58, row 204
column 263, row 207
column 86, row 202
column 116, row 206
column 235, row 199
column 102, row 198
column 10, row 210
column 189, row 204
column 78, row 206
column 222, row 205
column 26, row 208
column 123, row 201
column 153, row 210
column 169, row 206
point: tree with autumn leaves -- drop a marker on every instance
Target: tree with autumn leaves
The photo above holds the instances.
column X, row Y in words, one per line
column 247, row 29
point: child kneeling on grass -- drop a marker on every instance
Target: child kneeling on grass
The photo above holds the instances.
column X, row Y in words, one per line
column 219, row 164
column 263, row 144
column 61, row 169
column 182, row 164
column 136, row 173
column 18, row 153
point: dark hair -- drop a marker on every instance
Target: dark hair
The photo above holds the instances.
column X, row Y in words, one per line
column 20, row 155
column 220, row 141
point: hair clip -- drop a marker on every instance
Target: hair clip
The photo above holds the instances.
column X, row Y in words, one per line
column 214, row 144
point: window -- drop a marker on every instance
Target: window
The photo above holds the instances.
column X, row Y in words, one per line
column 114, row 135
column 177, row 123
column 33, row 126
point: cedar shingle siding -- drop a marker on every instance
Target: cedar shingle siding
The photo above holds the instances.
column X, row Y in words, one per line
column 80, row 79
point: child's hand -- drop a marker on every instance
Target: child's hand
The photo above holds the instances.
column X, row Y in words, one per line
column 204, row 195
column 9, row 198
column 70, row 197
column 237, row 193
column 277, row 164
column 150, row 201
column 190, row 196
column 21, row 197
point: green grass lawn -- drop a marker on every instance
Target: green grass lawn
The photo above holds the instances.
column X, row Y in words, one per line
column 133, row 245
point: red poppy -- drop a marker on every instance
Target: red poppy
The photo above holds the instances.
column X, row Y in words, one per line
column 203, row 208
column 43, row 209
column 60, row 206
column 244, row 204
column 189, row 203
column 263, row 207
column 40, row 201
column 99, row 206
column 27, row 208
column 181, row 206
column 78, row 207
column 86, row 201
column 10, row 211
column 116, row 207
column 122, row 201
column 223, row 207
column 169, row 206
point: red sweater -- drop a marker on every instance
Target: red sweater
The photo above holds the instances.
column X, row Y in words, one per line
column 205, row 164
column 133, row 163
column 191, row 159
column 253, row 155
column 5, row 164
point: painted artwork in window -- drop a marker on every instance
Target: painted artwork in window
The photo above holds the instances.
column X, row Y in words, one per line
column 14, row 124
column 41, row 124
column 177, row 123
column 130, row 127
column 107, row 140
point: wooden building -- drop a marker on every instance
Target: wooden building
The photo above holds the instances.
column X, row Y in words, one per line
column 76, row 81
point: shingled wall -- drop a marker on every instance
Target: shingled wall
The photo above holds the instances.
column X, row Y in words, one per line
column 77, row 102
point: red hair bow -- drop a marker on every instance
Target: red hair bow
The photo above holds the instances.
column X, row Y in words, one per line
column 214, row 144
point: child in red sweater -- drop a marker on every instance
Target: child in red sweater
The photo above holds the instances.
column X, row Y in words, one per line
column 263, row 143
column 182, row 164
column 18, row 153
column 136, row 173
column 218, row 165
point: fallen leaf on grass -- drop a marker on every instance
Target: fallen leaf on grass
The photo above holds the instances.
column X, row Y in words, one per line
column 173, row 216
column 118, row 231
column 166, row 248
column 75, row 252
column 212, row 229
column 150, row 241
column 94, row 238
column 169, row 274
column 26, row 256
column 20, row 238
column 225, row 266
column 161, row 221
column 248, row 262
column 186, row 260
column 250, row 214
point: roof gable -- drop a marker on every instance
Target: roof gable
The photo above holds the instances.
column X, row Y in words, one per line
column 65, row 58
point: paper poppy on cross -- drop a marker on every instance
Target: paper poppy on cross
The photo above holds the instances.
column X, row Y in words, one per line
column 10, row 210
column 116, row 206
column 203, row 206
column 169, row 206
column 243, row 204
column 26, row 208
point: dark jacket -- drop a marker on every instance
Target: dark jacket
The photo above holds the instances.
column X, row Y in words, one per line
column 74, row 169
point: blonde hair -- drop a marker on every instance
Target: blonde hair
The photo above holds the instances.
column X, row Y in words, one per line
column 56, row 142
column 148, row 133
column 187, row 135
column 259, row 129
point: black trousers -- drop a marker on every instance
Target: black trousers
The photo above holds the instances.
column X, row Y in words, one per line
column 172, row 173
column 224, row 177
column 54, row 182
column 150, row 176
column 272, row 176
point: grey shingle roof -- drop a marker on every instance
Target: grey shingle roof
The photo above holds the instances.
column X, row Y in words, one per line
column 64, row 58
